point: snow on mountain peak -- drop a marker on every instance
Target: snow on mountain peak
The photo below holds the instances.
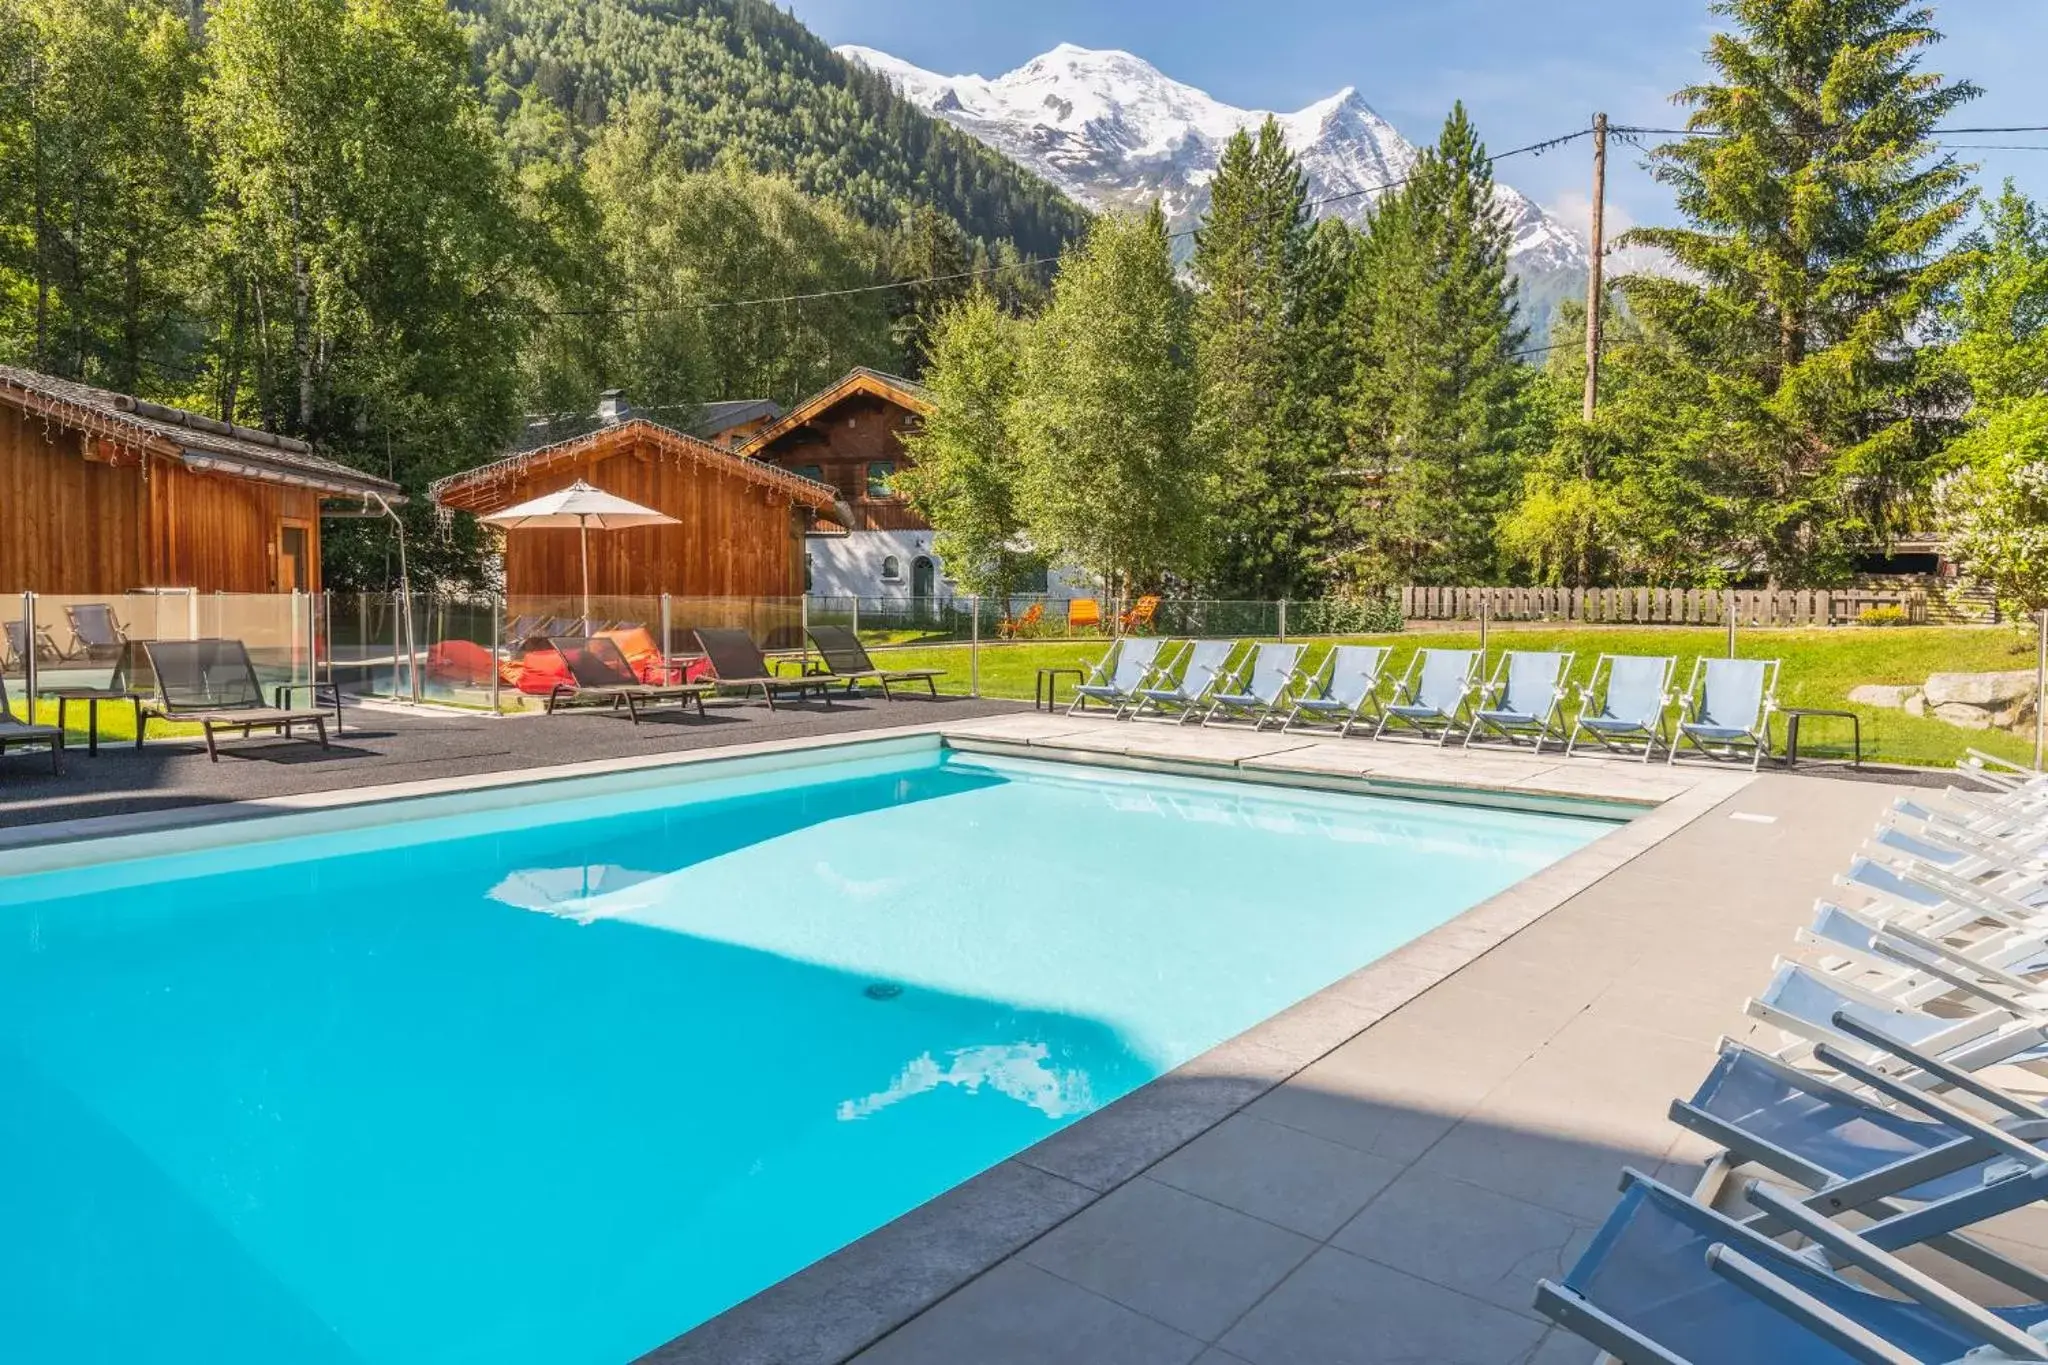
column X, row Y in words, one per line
column 1110, row 129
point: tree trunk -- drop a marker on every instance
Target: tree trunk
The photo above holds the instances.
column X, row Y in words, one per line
column 302, row 318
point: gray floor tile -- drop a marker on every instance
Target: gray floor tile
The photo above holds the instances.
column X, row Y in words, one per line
column 1396, row 1130
column 1280, row 1174
column 1575, row 1175
column 1215, row 1355
column 1466, row 1238
column 1189, row 1263
column 1562, row 1348
column 1340, row 1309
column 1018, row 1314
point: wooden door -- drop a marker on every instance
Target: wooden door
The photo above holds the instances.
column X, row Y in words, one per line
column 294, row 556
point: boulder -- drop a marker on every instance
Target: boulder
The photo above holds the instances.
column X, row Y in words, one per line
column 1877, row 694
column 1996, row 691
column 1916, row 705
column 1961, row 713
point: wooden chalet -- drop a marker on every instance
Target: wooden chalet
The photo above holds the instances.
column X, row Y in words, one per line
column 742, row 522
column 850, row 436
column 104, row 493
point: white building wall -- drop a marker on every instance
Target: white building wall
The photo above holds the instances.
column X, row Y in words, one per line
column 856, row 564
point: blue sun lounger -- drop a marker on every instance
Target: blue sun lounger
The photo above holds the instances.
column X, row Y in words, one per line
column 1524, row 700
column 1202, row 668
column 1343, row 692
column 1630, row 708
column 1433, row 696
column 1254, row 690
column 1729, row 703
column 1859, row 1156
column 1129, row 665
column 1809, row 1005
column 1667, row 1281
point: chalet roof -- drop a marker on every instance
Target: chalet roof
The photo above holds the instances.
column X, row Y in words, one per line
column 203, row 443
column 470, row 490
column 704, row 420
column 895, row 388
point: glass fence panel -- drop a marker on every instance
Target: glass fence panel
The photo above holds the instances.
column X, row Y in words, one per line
column 18, row 652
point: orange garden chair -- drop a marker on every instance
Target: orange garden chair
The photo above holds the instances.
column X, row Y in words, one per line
column 1139, row 617
column 1014, row 626
column 1084, row 612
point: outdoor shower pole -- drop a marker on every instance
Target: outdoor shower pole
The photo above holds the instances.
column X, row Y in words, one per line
column 1482, row 626
column 668, row 625
column 974, row 649
column 1731, row 623
column 1283, row 620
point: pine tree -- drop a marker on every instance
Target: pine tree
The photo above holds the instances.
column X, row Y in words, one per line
column 1436, row 405
column 1818, row 211
column 1111, row 481
column 1247, row 269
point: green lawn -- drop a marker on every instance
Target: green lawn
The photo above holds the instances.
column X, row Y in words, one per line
column 117, row 721
column 1820, row 666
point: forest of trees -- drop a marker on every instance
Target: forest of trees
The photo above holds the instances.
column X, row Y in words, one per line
column 395, row 228
column 1842, row 349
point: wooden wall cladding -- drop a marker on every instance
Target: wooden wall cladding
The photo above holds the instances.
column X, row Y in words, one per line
column 79, row 519
column 735, row 537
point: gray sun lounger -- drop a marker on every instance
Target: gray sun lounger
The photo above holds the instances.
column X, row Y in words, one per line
column 1128, row 665
column 1625, row 703
column 736, row 662
column 1729, row 702
column 17, row 638
column 1433, row 697
column 598, row 671
column 22, row 734
column 211, row 684
column 847, row 659
column 1524, row 700
column 95, row 631
column 1254, row 690
column 1343, row 692
column 1202, row 668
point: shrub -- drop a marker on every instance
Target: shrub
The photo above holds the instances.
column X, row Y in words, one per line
column 1345, row 616
column 1882, row 616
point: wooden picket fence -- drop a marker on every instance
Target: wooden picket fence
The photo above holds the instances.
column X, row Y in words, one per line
column 1659, row 606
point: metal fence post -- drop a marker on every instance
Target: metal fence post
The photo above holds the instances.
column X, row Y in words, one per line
column 856, row 614
column 1482, row 627
column 496, row 605
column 1283, row 620
column 2040, row 686
column 668, row 627
column 974, row 647
column 28, row 631
column 1731, row 623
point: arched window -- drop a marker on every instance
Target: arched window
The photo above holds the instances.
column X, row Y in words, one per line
column 892, row 569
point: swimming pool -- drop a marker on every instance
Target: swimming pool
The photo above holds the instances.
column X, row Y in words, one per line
column 553, row 1082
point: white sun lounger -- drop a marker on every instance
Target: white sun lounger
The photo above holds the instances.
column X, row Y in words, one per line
column 1255, row 689
column 1524, row 700
column 1186, row 698
column 1624, row 703
column 1342, row 693
column 1729, row 704
column 1118, row 674
column 1432, row 699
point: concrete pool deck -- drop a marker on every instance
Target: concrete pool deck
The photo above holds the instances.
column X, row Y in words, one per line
column 1378, row 1174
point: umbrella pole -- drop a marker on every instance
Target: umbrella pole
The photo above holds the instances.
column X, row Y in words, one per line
column 583, row 530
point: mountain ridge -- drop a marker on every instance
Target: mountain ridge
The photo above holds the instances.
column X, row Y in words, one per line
column 1111, row 130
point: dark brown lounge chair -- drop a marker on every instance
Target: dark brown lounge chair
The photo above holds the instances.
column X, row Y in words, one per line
column 599, row 672
column 212, row 684
column 28, row 735
column 847, row 658
column 736, row 662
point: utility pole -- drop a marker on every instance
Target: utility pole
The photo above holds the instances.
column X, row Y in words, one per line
column 1595, row 286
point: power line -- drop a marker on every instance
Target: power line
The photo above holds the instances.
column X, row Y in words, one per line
column 1932, row 132
column 1029, row 262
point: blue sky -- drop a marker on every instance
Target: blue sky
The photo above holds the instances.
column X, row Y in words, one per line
column 1526, row 68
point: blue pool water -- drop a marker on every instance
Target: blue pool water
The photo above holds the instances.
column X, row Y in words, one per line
column 550, row 1085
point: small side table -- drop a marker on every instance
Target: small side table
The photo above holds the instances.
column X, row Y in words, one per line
column 1045, row 692
column 1794, row 714
column 326, row 692
column 92, row 697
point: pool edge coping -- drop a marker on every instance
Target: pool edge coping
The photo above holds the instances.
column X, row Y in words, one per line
column 840, row 1305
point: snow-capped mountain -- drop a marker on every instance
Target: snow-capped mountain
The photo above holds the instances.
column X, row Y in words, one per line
column 1111, row 129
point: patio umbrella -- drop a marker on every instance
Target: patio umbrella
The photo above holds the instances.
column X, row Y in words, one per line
column 581, row 506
